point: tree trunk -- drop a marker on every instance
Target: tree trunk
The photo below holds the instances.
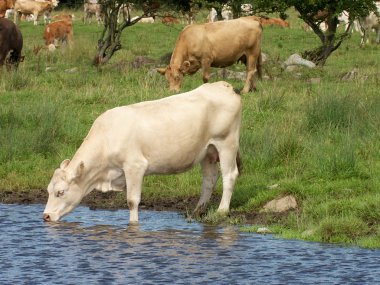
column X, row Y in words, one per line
column 329, row 40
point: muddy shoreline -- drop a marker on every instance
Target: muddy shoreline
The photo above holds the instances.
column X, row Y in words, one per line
column 117, row 200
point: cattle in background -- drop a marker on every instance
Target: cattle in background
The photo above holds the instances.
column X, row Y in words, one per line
column 212, row 16
column 165, row 136
column 90, row 9
column 124, row 12
column 36, row 8
column 64, row 17
column 344, row 18
column 6, row 5
column 168, row 20
column 10, row 43
column 60, row 32
column 219, row 44
column 273, row 22
column 367, row 24
column 227, row 13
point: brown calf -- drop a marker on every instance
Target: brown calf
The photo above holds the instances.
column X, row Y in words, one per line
column 60, row 31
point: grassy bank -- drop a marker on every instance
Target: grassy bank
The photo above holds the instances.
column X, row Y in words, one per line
column 309, row 131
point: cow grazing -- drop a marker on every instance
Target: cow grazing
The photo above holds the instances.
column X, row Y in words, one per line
column 274, row 22
column 58, row 32
column 91, row 9
column 34, row 7
column 10, row 43
column 165, row 136
column 218, row 44
column 6, row 5
column 168, row 20
column 367, row 24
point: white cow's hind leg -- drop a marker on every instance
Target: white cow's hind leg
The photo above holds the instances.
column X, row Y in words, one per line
column 210, row 176
column 134, row 179
column 230, row 172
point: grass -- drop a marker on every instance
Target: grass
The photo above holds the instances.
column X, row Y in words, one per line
column 318, row 141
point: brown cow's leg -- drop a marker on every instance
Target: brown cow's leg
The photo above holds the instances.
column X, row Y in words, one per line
column 251, row 72
column 205, row 70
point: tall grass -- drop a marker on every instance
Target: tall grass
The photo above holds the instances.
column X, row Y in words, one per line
column 317, row 141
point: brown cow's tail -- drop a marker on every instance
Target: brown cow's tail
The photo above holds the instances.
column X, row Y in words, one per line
column 259, row 65
column 239, row 163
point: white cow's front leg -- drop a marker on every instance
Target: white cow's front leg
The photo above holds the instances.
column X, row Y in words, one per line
column 134, row 179
column 229, row 173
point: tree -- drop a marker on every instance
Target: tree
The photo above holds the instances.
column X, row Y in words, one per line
column 109, row 41
column 310, row 12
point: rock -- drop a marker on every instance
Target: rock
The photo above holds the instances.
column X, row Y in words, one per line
column 264, row 231
column 50, row 68
column 225, row 73
column 51, row 48
column 274, row 186
column 72, row 70
column 282, row 204
column 296, row 59
column 350, row 75
column 316, row 80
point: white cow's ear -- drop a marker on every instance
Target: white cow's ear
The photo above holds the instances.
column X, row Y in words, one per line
column 161, row 71
column 79, row 170
column 185, row 66
column 64, row 163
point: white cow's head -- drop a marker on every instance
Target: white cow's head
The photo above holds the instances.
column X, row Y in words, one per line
column 64, row 192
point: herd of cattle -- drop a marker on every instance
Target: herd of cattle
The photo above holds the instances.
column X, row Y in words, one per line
column 61, row 30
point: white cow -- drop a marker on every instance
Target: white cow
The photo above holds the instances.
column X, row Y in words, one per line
column 35, row 8
column 165, row 136
column 367, row 24
column 90, row 8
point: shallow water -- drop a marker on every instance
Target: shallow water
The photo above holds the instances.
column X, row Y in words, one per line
column 98, row 247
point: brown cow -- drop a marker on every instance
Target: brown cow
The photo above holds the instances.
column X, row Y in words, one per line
column 168, row 20
column 36, row 8
column 5, row 5
column 10, row 42
column 58, row 32
column 63, row 17
column 218, row 44
column 274, row 22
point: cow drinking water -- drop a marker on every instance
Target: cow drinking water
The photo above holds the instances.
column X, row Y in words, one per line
column 218, row 44
column 165, row 136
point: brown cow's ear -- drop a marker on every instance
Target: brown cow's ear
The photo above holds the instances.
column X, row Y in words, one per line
column 64, row 163
column 161, row 71
column 185, row 67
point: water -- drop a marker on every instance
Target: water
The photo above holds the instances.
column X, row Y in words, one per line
column 98, row 247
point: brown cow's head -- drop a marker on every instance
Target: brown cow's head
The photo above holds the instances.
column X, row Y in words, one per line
column 175, row 75
column 64, row 192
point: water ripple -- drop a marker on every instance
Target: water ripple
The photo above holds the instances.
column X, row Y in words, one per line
column 98, row 247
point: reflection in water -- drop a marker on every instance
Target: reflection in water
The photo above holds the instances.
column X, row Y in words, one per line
column 98, row 247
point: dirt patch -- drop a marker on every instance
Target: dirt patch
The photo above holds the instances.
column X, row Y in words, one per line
column 117, row 200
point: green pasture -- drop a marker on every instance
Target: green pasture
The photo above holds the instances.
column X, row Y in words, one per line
column 309, row 131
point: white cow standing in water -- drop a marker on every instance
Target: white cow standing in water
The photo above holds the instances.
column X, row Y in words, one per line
column 165, row 136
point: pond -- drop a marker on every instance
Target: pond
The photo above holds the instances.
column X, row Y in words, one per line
column 98, row 247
